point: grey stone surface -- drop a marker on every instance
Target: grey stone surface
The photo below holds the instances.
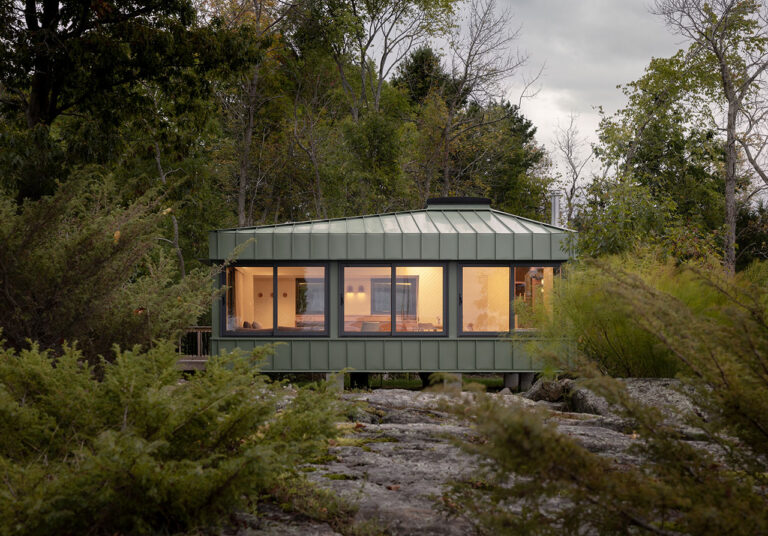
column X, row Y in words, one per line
column 549, row 390
column 401, row 456
column 667, row 395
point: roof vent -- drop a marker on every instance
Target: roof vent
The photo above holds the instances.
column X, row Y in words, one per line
column 455, row 203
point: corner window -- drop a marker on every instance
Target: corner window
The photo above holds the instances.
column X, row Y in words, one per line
column 484, row 299
column 250, row 300
column 276, row 300
column 533, row 290
column 372, row 305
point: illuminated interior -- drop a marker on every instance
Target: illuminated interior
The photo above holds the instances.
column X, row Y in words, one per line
column 299, row 302
column 418, row 299
column 250, row 299
column 367, row 298
column 485, row 299
column 300, row 299
column 533, row 289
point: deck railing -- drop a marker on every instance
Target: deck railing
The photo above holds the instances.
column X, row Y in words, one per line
column 194, row 348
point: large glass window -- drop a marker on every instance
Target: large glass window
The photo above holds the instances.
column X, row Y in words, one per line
column 419, row 299
column 417, row 295
column 485, row 299
column 300, row 298
column 250, row 299
column 533, row 290
column 297, row 295
column 367, row 299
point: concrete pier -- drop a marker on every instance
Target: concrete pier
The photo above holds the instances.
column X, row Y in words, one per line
column 512, row 380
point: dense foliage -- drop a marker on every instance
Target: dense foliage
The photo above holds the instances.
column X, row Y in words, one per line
column 82, row 266
column 538, row 481
column 144, row 450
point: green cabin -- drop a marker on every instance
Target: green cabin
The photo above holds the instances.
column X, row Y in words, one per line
column 417, row 291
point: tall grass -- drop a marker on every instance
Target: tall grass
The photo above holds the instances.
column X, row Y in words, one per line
column 602, row 326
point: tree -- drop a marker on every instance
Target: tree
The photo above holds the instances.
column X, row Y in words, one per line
column 480, row 61
column 66, row 57
column 420, row 73
column 706, row 477
column 376, row 37
column 666, row 140
column 571, row 146
column 729, row 57
column 82, row 266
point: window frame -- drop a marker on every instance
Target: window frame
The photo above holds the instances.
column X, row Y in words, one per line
column 512, row 266
column 275, row 332
column 392, row 333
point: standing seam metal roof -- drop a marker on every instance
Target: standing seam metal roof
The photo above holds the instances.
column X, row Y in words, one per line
column 461, row 233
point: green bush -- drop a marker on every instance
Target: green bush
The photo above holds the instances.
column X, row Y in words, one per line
column 603, row 328
column 82, row 265
column 144, row 449
column 535, row 480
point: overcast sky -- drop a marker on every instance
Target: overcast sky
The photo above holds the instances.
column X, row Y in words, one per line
column 588, row 46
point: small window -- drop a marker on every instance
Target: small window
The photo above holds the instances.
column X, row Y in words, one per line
column 485, row 304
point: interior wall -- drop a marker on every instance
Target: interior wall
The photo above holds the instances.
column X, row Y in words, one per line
column 249, row 306
column 358, row 303
column 430, row 300
column 485, row 293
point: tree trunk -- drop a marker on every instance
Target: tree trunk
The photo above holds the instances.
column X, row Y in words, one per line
column 447, row 156
column 245, row 156
column 730, row 189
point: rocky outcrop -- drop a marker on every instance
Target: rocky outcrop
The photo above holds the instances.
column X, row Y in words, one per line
column 400, row 452
column 548, row 390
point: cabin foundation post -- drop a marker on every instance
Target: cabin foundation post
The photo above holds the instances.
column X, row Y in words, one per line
column 512, row 380
column 526, row 380
column 335, row 380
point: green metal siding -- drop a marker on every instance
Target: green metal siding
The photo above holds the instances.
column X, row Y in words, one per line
column 389, row 355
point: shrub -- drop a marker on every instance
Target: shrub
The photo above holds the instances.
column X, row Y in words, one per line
column 144, row 450
column 84, row 266
column 537, row 481
column 604, row 329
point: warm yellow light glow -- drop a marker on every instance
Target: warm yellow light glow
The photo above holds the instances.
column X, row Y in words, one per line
column 370, row 310
column 250, row 302
column 419, row 299
column 253, row 301
column 485, row 299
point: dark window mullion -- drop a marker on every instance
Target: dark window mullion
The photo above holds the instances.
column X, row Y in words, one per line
column 392, row 288
column 274, row 301
column 512, row 298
